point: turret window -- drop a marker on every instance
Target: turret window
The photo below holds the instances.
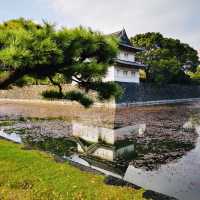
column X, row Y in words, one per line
column 125, row 73
column 126, row 54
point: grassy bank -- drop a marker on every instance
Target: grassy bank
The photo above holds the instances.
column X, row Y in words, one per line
column 34, row 175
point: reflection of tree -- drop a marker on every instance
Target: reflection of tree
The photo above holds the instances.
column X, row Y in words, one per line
column 156, row 152
column 195, row 119
column 165, row 138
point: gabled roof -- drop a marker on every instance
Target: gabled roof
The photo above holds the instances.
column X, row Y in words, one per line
column 122, row 35
column 125, row 42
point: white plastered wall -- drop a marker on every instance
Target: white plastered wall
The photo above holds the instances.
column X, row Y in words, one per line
column 126, row 55
column 128, row 75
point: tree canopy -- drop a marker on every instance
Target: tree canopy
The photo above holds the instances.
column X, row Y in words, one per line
column 195, row 75
column 40, row 51
column 165, row 58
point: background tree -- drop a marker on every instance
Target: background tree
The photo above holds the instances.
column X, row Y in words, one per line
column 165, row 58
column 195, row 75
column 78, row 55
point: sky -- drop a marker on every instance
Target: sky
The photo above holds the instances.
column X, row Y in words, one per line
column 173, row 18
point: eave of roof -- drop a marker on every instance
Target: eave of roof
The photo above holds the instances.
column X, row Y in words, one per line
column 125, row 42
column 131, row 48
column 130, row 64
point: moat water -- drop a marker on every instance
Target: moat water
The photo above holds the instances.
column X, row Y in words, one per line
column 180, row 178
column 166, row 159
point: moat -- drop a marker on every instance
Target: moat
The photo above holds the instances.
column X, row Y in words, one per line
column 164, row 156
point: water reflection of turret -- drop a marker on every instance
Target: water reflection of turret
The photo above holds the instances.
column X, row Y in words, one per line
column 106, row 143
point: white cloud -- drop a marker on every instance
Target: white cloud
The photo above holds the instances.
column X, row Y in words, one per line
column 174, row 18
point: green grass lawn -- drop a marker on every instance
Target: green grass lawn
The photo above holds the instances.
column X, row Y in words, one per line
column 34, row 175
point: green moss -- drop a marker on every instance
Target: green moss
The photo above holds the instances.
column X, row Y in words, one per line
column 6, row 123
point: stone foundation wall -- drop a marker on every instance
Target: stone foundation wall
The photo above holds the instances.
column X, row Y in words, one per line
column 68, row 111
column 28, row 102
column 133, row 93
column 25, row 102
column 145, row 92
column 32, row 91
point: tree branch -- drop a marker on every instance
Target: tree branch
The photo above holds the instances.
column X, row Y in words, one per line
column 12, row 78
column 56, row 84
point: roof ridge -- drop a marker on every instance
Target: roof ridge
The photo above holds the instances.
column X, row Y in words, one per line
column 124, row 40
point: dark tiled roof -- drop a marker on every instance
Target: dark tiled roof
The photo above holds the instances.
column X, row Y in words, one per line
column 130, row 63
column 123, row 37
column 131, row 47
column 125, row 42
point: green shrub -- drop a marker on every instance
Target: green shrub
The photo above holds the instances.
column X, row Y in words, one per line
column 3, row 74
column 108, row 90
column 52, row 94
column 79, row 97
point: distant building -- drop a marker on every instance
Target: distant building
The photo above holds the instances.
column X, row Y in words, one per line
column 126, row 69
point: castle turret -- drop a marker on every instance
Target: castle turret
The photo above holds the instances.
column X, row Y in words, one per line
column 126, row 68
